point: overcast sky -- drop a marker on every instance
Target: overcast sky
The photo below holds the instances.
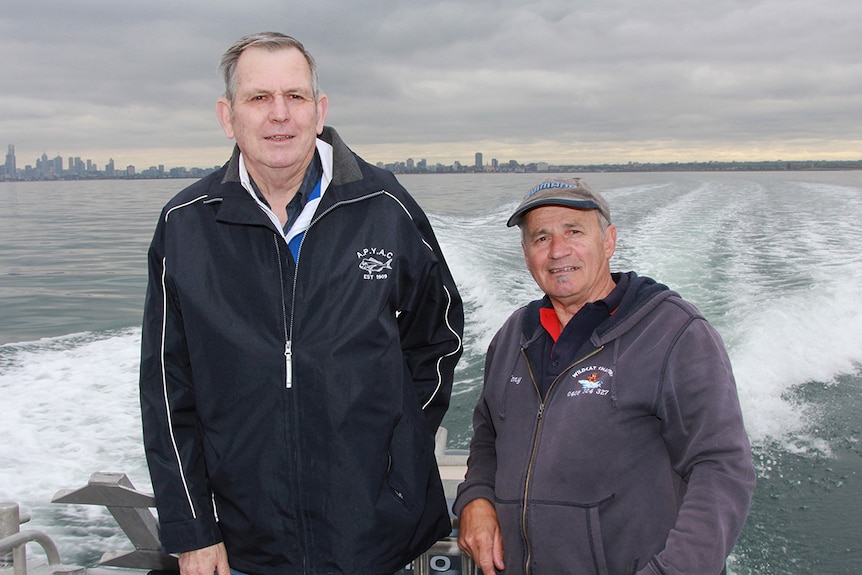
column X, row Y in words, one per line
column 562, row 81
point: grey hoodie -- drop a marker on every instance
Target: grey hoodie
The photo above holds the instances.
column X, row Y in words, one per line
column 636, row 462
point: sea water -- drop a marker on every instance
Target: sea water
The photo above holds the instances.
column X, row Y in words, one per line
column 772, row 259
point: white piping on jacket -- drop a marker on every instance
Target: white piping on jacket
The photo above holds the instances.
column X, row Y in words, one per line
column 165, row 390
column 442, row 357
column 446, row 315
column 164, row 371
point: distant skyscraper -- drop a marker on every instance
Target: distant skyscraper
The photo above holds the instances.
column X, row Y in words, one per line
column 11, row 169
column 479, row 160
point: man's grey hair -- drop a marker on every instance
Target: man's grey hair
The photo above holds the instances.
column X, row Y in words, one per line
column 272, row 41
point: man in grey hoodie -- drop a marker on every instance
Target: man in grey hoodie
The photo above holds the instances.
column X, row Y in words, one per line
column 608, row 437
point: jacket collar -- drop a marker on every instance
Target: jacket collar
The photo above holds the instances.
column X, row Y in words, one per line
column 239, row 207
column 344, row 161
column 345, row 165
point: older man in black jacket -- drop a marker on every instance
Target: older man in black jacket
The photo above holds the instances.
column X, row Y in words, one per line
column 301, row 330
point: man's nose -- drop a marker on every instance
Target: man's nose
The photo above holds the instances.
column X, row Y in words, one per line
column 280, row 110
column 558, row 248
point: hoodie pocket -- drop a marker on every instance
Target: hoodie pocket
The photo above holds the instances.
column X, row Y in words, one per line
column 565, row 538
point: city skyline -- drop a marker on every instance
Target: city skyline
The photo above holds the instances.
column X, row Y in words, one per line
column 467, row 158
column 74, row 167
column 46, row 167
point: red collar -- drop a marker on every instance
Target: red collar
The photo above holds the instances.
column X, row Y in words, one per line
column 548, row 318
column 549, row 321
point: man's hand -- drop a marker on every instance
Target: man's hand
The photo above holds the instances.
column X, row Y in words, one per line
column 479, row 536
column 206, row 561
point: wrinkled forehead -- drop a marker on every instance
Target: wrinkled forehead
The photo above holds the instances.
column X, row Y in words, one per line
column 560, row 215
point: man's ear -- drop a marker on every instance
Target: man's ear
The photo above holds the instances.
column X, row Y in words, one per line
column 322, row 108
column 610, row 241
column 224, row 113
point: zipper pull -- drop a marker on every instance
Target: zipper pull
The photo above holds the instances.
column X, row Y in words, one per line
column 288, row 361
column 541, row 410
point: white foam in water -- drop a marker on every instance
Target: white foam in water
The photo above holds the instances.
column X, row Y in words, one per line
column 488, row 266
column 70, row 408
column 782, row 288
column 810, row 336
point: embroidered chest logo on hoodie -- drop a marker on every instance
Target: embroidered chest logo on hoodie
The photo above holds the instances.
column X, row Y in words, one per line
column 592, row 380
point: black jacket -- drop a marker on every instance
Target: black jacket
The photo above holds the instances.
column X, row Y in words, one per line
column 331, row 470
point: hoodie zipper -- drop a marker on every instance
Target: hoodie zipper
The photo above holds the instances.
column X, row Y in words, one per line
column 539, row 421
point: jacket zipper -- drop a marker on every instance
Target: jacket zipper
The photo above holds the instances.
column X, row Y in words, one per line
column 537, row 432
column 288, row 372
column 288, row 324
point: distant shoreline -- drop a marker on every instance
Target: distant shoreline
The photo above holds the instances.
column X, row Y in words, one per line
column 540, row 168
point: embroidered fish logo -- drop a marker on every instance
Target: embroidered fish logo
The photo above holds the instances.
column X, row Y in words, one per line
column 374, row 266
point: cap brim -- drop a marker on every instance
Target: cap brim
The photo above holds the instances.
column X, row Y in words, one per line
column 515, row 218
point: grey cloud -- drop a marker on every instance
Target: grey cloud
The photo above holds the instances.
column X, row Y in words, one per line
column 627, row 74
